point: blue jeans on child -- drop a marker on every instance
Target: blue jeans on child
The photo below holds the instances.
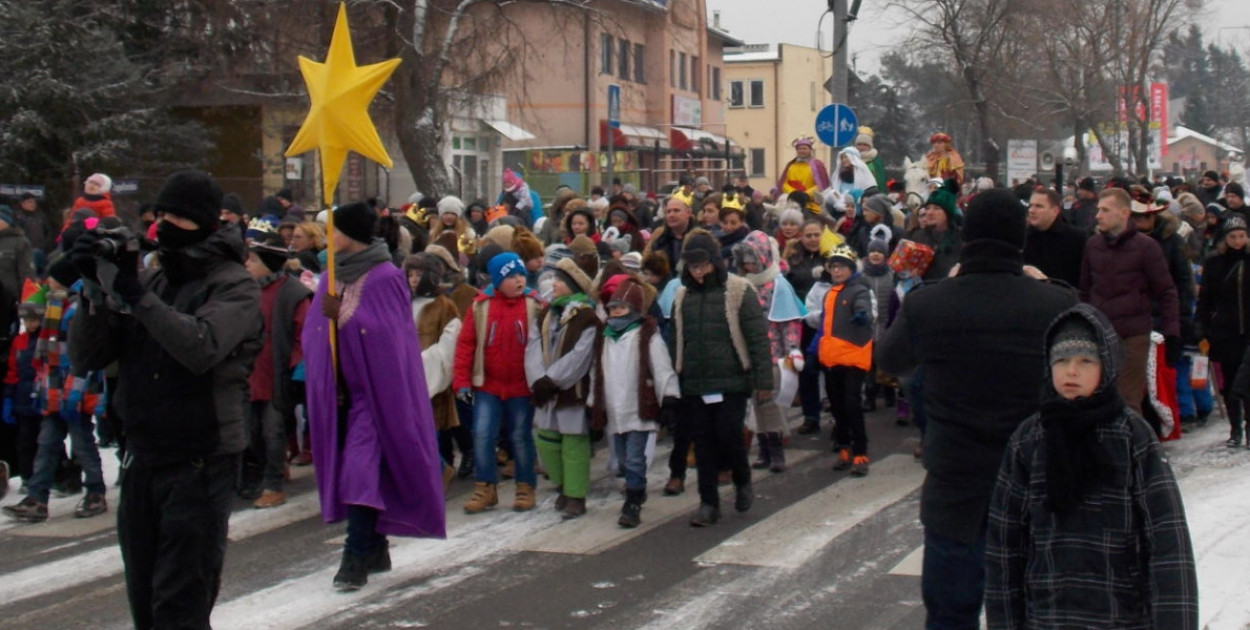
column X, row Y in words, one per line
column 1193, row 403
column 517, row 417
column 52, row 434
column 631, row 452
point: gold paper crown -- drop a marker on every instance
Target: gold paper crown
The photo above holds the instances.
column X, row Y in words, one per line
column 260, row 225
column 732, row 204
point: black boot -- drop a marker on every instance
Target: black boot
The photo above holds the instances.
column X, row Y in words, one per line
column 707, row 515
column 765, row 454
column 353, row 572
column 744, row 496
column 631, row 512
column 810, row 426
column 380, row 559
column 888, row 395
column 777, row 455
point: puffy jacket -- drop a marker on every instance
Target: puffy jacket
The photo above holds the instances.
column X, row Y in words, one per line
column 712, row 354
column 1176, row 252
column 184, row 354
column 842, row 341
column 490, row 351
column 1123, row 276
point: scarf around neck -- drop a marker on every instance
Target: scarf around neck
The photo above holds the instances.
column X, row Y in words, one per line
column 1076, row 464
column 352, row 267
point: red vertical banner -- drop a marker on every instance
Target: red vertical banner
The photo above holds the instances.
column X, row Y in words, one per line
column 1159, row 113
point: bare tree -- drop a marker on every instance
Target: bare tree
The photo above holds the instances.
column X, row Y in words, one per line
column 976, row 38
column 1138, row 30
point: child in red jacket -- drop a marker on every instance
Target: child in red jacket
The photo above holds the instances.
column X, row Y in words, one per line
column 490, row 371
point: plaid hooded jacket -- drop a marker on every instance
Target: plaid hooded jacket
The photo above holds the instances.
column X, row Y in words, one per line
column 1121, row 559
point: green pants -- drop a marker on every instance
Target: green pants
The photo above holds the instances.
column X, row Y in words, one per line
column 567, row 460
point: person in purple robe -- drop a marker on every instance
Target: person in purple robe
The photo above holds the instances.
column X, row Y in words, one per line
column 374, row 444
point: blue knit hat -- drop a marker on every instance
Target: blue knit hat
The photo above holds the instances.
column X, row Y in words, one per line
column 502, row 266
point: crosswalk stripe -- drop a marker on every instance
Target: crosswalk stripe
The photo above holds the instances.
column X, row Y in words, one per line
column 790, row 537
column 911, row 565
column 597, row 530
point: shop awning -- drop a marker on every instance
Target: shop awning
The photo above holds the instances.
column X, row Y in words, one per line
column 631, row 136
column 689, row 139
column 509, row 130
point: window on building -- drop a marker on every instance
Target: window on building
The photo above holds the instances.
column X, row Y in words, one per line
column 696, row 71
column 639, row 53
column 757, row 93
column 607, row 50
column 683, row 79
column 625, row 51
column 672, row 68
column 714, row 82
column 757, row 162
column 736, row 98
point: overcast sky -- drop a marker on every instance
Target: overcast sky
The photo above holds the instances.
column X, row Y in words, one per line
column 878, row 30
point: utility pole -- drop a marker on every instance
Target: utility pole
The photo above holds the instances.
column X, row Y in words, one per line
column 839, row 87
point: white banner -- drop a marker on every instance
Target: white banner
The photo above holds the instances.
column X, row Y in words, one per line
column 1021, row 161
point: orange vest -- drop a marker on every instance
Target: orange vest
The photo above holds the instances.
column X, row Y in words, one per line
column 834, row 351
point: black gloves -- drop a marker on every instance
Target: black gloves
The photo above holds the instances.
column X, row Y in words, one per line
column 1172, row 349
column 127, row 283
column 543, row 391
column 81, row 257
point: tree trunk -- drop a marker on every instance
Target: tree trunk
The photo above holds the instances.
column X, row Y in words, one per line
column 989, row 148
column 421, row 141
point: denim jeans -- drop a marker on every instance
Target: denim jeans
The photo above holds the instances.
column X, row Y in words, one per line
column 1193, row 403
column 631, row 452
column 362, row 530
column 52, row 434
column 516, row 415
column 953, row 582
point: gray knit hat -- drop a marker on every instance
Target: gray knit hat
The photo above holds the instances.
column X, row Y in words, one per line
column 1074, row 338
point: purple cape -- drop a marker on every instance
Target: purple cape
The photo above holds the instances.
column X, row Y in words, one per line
column 389, row 459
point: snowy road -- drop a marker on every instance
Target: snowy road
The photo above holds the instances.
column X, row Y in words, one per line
column 818, row 547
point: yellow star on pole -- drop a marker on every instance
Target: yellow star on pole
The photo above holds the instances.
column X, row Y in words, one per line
column 338, row 119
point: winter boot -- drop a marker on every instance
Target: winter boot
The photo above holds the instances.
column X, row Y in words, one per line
column 810, row 426
column 449, row 473
column 844, row 460
column 631, row 512
column 93, row 504
column 485, row 496
column 379, row 561
column 27, row 510
column 674, row 487
column 1234, row 437
column 889, row 396
column 860, row 466
column 561, row 500
column 269, row 499
column 744, row 496
column 353, row 572
column 707, row 515
column 777, row 453
column 524, row 501
column 466, row 466
column 573, row 508
column 765, row 454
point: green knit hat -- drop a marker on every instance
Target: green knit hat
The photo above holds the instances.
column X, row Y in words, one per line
column 944, row 198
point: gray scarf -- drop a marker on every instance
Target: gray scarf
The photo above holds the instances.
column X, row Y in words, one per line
column 351, row 267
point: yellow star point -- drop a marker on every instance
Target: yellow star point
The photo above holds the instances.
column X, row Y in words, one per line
column 338, row 119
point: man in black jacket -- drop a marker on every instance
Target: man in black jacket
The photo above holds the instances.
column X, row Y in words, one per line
column 978, row 337
column 1053, row 246
column 184, row 338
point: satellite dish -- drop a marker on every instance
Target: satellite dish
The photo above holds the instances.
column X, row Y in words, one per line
column 1048, row 161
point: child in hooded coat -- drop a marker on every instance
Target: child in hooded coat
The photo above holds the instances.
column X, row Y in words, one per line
column 1086, row 526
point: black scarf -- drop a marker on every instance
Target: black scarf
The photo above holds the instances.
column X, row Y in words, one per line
column 847, row 174
column 1076, row 463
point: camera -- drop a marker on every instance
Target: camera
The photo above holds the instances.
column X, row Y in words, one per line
column 113, row 242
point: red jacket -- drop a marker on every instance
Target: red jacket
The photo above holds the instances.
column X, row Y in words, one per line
column 490, row 354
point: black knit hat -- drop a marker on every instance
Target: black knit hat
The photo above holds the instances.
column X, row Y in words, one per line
column 1087, row 184
column 996, row 214
column 1212, row 175
column 1233, row 188
column 193, row 195
column 356, row 221
column 700, row 247
column 230, row 202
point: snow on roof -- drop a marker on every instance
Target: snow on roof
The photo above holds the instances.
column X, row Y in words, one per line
column 752, row 52
column 1180, row 132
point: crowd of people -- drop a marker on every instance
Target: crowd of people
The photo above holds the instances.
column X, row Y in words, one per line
column 213, row 349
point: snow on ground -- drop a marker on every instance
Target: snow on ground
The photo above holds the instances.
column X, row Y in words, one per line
column 1215, row 486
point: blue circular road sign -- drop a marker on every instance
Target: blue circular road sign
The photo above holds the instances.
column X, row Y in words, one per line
column 836, row 125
